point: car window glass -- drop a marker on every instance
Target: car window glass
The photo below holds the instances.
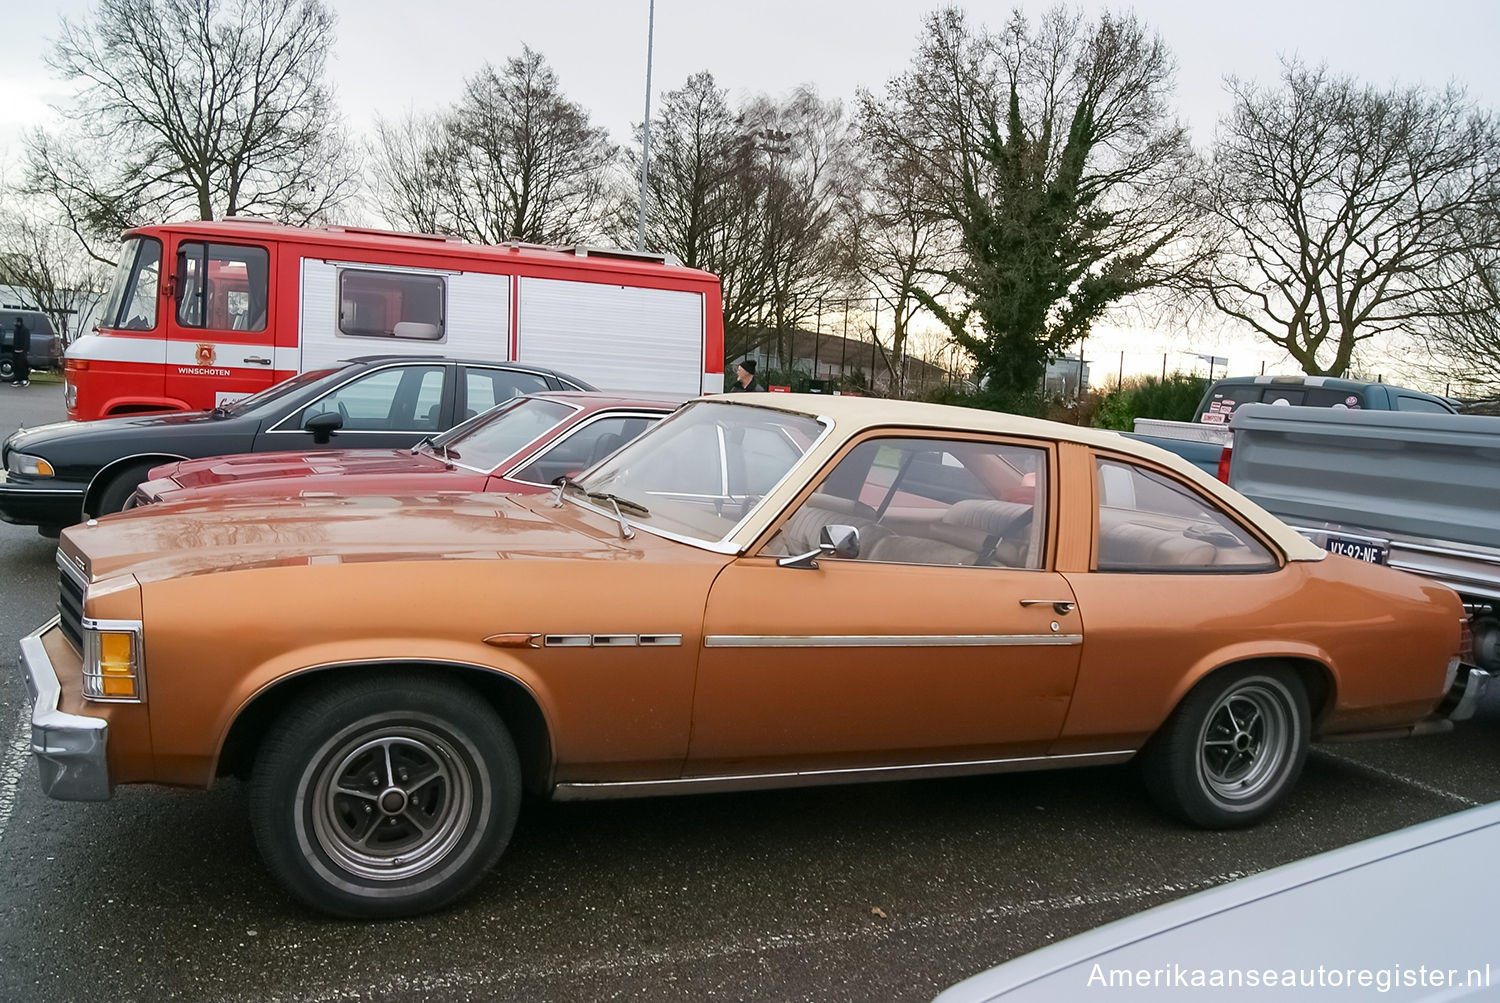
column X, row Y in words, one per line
column 388, row 304
column 1148, row 522
column 930, row 501
column 138, row 300
column 584, row 447
column 1329, row 397
column 1405, row 402
column 221, row 287
column 703, row 470
column 484, row 388
column 382, row 401
column 1226, row 399
column 1283, row 395
column 497, row 438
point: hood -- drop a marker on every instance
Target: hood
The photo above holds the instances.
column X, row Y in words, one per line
column 217, row 470
column 178, row 540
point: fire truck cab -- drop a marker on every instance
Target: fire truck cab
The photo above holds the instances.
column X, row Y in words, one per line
column 203, row 313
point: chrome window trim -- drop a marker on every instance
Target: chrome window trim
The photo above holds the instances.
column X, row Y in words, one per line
column 537, row 453
column 583, row 791
column 888, row 640
column 138, row 650
column 441, row 363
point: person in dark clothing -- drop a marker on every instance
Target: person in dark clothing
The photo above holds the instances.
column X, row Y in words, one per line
column 21, row 346
column 744, row 379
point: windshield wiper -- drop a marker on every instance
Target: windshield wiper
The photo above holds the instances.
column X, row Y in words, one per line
column 443, row 446
column 222, row 411
column 425, row 441
column 619, row 502
column 626, row 532
column 563, row 483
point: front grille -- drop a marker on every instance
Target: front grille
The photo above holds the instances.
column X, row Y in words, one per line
column 70, row 608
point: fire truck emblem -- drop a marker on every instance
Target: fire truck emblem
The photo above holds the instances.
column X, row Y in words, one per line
column 205, row 355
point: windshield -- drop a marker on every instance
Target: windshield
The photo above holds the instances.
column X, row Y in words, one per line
column 701, row 471
column 131, row 304
column 275, row 392
column 482, row 442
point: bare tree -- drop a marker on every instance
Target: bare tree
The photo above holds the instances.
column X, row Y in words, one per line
column 756, row 195
column 513, row 160
column 1347, row 212
column 796, row 156
column 41, row 259
column 199, row 108
column 406, row 169
column 1050, row 152
column 898, row 248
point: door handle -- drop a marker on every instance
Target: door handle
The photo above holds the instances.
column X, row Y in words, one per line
column 257, row 358
column 1062, row 606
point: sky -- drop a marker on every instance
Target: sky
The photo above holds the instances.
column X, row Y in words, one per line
column 397, row 55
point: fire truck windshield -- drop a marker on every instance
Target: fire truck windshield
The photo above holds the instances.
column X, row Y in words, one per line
column 132, row 294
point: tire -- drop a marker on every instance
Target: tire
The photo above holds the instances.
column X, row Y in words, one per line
column 121, row 486
column 7, row 369
column 381, row 843
column 1233, row 747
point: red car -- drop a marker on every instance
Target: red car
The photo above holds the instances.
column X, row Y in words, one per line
column 524, row 445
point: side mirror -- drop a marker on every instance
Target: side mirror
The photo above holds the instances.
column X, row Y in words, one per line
column 322, row 426
column 833, row 541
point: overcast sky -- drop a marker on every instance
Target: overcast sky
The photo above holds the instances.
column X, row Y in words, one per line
column 392, row 55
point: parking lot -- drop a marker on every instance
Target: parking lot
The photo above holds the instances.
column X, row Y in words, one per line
column 885, row 892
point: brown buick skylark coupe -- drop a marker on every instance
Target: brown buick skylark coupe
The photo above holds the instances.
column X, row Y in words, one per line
column 760, row 592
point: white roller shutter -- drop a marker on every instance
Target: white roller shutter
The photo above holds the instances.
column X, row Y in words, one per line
column 615, row 337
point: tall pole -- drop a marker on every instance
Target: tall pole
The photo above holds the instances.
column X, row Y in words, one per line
column 640, row 234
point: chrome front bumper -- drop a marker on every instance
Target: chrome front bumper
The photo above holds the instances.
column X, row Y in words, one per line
column 69, row 748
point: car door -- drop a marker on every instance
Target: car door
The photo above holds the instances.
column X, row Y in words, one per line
column 391, row 406
column 946, row 640
column 218, row 330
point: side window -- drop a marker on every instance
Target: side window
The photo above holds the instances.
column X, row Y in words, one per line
column 584, row 448
column 484, row 388
column 404, row 306
column 1150, row 523
column 930, row 501
column 1405, row 402
column 390, row 400
column 222, row 287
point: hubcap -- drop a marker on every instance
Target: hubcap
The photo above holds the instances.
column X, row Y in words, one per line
column 391, row 803
column 1246, row 741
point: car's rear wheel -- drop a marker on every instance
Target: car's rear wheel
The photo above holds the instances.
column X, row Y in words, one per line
column 1232, row 749
column 388, row 796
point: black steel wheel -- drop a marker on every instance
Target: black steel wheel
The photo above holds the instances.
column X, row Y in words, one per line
column 1233, row 747
column 387, row 796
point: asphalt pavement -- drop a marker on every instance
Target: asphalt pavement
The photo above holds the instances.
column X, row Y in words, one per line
column 885, row 892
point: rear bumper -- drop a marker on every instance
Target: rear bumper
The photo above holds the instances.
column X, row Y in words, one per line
column 1464, row 695
column 69, row 748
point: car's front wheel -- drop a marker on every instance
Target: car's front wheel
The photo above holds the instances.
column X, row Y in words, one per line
column 1232, row 748
column 386, row 796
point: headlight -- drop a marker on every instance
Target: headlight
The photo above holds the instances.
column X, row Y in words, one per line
column 32, row 466
column 112, row 660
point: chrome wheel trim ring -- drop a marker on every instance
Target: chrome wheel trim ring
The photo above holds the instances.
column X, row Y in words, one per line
column 367, row 832
column 1246, row 742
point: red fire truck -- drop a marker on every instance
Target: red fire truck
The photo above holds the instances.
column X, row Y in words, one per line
column 203, row 313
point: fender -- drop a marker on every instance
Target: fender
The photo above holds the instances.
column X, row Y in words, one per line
column 107, row 472
column 1251, row 651
column 371, row 653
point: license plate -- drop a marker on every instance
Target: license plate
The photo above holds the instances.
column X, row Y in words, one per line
column 1370, row 553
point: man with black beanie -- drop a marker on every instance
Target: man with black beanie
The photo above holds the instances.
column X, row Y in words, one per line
column 744, row 379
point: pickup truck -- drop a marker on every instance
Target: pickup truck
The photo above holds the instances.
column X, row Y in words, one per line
column 1203, row 441
column 1417, row 492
